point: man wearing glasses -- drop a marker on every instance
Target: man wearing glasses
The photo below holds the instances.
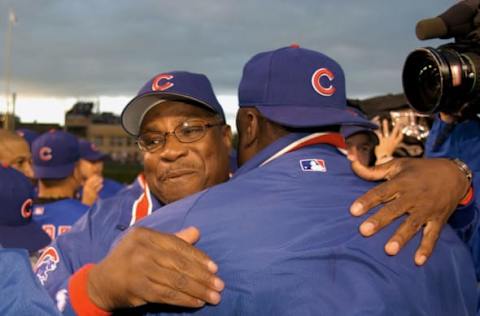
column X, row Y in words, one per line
column 180, row 128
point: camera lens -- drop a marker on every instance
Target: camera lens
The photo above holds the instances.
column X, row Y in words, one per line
column 441, row 79
column 423, row 79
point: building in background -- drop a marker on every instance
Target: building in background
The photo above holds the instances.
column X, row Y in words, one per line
column 34, row 126
column 102, row 129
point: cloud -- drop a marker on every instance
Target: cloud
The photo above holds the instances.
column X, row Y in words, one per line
column 100, row 47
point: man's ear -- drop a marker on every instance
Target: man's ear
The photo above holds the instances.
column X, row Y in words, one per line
column 227, row 137
column 249, row 123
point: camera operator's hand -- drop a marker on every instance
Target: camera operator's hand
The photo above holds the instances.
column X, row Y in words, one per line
column 428, row 190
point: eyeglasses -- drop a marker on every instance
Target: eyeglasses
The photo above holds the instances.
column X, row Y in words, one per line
column 187, row 132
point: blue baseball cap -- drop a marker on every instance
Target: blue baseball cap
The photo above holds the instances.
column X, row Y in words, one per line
column 54, row 155
column 174, row 85
column 349, row 130
column 298, row 88
column 28, row 135
column 17, row 230
column 89, row 151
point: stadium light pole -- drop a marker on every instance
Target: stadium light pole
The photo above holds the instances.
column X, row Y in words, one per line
column 12, row 19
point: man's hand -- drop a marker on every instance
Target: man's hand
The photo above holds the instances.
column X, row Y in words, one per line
column 91, row 189
column 151, row 267
column 426, row 189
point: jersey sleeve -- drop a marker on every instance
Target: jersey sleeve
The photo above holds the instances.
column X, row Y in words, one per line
column 20, row 291
column 68, row 253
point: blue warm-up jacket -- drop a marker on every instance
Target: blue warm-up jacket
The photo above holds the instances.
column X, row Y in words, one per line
column 286, row 244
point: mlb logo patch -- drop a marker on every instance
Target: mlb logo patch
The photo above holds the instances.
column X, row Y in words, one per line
column 317, row 165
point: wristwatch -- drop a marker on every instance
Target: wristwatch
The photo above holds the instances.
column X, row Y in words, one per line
column 464, row 168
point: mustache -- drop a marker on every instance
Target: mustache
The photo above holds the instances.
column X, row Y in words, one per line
column 175, row 171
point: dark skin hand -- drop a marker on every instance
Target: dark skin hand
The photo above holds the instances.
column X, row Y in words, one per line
column 427, row 190
column 151, row 267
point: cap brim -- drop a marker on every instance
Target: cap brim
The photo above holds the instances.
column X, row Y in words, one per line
column 30, row 236
column 350, row 130
column 54, row 172
column 308, row 117
column 132, row 115
column 94, row 156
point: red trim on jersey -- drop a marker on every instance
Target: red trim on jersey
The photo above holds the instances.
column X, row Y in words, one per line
column 335, row 139
column 81, row 303
column 468, row 197
column 141, row 180
column 142, row 207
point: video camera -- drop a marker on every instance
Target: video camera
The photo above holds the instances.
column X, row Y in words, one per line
column 447, row 78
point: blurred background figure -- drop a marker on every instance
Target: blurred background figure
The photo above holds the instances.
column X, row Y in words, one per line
column 17, row 230
column 15, row 152
column 28, row 135
column 389, row 111
column 361, row 144
column 56, row 157
column 95, row 185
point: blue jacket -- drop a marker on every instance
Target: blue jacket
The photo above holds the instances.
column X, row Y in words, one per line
column 286, row 244
column 462, row 141
column 57, row 218
column 91, row 237
column 20, row 291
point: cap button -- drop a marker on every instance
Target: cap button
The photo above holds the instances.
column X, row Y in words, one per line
column 294, row 45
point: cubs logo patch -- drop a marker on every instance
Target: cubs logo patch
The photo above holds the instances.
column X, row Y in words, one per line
column 47, row 263
column 317, row 84
column 317, row 165
column 45, row 153
column 162, row 83
column 26, row 210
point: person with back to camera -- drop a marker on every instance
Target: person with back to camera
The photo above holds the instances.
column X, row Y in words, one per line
column 280, row 229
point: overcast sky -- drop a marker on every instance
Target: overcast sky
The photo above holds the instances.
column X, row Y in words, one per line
column 69, row 50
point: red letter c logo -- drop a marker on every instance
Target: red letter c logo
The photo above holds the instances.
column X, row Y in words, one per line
column 325, row 91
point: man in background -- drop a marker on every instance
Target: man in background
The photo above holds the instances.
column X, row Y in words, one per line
column 28, row 135
column 17, row 230
column 15, row 152
column 95, row 185
column 56, row 157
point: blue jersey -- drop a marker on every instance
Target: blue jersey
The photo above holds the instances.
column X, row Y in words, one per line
column 92, row 236
column 462, row 141
column 20, row 291
column 285, row 243
column 57, row 218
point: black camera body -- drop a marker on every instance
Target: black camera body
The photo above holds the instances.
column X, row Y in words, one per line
column 446, row 78
column 443, row 79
